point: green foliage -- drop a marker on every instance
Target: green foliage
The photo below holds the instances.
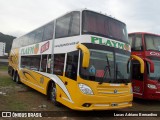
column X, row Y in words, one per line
column 5, row 68
column 6, row 81
column 8, row 40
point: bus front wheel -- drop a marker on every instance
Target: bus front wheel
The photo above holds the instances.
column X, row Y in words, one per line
column 53, row 94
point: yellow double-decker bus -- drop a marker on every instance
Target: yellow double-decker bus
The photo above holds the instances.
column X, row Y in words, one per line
column 79, row 60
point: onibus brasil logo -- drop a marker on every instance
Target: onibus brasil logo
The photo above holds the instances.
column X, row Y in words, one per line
column 111, row 43
column 30, row 50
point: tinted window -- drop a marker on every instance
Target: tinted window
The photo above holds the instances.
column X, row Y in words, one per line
column 30, row 38
column 121, row 67
column 136, row 42
column 48, row 31
column 31, row 62
column 68, row 25
column 62, row 26
column 130, row 38
column 58, row 64
column 43, row 63
column 155, row 75
column 38, row 35
column 49, row 64
column 94, row 23
column 71, row 65
column 136, row 75
column 75, row 24
column 24, row 41
column 152, row 42
column 101, row 67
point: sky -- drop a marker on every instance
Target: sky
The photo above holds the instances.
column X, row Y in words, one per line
column 18, row 17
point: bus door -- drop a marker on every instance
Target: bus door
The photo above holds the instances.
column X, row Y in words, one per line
column 137, row 78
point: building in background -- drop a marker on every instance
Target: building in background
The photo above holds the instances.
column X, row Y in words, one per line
column 2, row 49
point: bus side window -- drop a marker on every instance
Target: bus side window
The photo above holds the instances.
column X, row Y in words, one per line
column 38, row 35
column 136, row 75
column 43, row 63
column 48, row 31
column 49, row 63
column 136, row 43
column 35, row 62
column 71, row 65
column 24, row 62
column 75, row 24
column 31, row 62
column 58, row 64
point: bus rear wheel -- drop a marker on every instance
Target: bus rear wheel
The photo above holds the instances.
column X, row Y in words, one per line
column 17, row 79
column 53, row 94
column 13, row 75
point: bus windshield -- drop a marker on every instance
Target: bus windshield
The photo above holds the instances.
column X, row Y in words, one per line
column 98, row 24
column 121, row 68
column 152, row 42
column 155, row 75
column 102, row 69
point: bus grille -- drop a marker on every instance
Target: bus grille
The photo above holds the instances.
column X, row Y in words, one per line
column 105, row 90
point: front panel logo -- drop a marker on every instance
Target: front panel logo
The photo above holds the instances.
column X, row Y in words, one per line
column 115, row 91
column 111, row 43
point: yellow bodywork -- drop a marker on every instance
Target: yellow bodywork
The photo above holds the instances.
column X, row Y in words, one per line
column 86, row 55
column 103, row 97
column 14, row 58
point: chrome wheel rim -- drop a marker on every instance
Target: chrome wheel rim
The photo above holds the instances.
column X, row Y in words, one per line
column 53, row 93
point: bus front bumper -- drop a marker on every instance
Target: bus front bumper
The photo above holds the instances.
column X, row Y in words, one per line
column 153, row 95
column 103, row 102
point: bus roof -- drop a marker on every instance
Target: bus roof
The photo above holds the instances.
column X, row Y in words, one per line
column 144, row 33
column 80, row 10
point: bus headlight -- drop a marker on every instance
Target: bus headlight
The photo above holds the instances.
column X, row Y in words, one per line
column 85, row 89
column 151, row 86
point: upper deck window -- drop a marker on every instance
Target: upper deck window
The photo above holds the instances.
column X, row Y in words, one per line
column 68, row 25
column 152, row 42
column 94, row 23
column 136, row 42
column 48, row 31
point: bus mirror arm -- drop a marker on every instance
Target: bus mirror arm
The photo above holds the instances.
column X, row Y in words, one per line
column 86, row 55
column 151, row 64
column 128, row 65
column 141, row 62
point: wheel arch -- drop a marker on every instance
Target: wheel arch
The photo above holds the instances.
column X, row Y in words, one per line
column 48, row 87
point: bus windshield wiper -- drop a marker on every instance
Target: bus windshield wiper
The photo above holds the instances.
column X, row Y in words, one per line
column 106, row 69
column 121, row 76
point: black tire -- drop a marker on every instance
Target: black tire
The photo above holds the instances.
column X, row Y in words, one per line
column 53, row 94
column 17, row 79
column 14, row 76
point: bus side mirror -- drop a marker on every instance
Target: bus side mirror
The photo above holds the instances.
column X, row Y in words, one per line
column 141, row 62
column 151, row 64
column 86, row 55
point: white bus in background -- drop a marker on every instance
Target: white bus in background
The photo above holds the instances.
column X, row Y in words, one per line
column 2, row 48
